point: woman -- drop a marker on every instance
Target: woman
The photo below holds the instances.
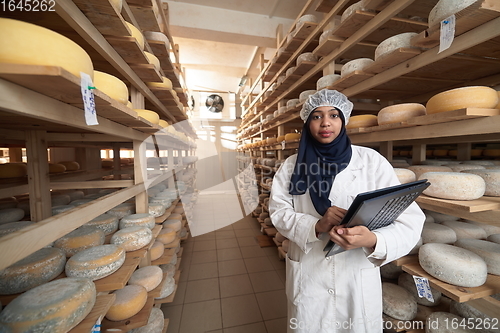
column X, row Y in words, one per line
column 310, row 194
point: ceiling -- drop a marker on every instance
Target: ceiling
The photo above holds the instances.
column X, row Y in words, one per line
column 220, row 41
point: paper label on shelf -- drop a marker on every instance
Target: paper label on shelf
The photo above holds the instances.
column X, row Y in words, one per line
column 86, row 87
column 97, row 326
column 423, row 288
column 283, row 145
column 447, row 33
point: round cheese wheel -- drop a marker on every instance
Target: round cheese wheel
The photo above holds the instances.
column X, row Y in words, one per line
column 157, row 36
column 406, row 281
column 70, row 165
column 491, row 178
column 163, row 123
column 307, row 18
column 166, row 236
column 405, row 175
column 168, row 288
column 137, row 34
column 454, row 185
column 173, row 224
column 421, row 169
column 61, row 209
column 157, row 250
column 397, row 302
column 355, row 65
column 279, row 237
column 149, row 115
column 460, row 98
column 175, row 216
column 121, row 210
column 440, row 217
column 351, row 10
column 149, row 277
column 56, row 168
column 307, row 57
column 128, row 302
column 400, row 113
column 11, row 215
column 362, row 121
column 326, row 81
column 80, row 239
column 56, row 306
column 152, row 59
column 155, row 323
column 438, row 233
column 29, row 44
column 285, row 245
column 13, row 170
column 106, row 222
column 96, row 262
column 305, row 95
column 393, row 43
column 34, row 270
column 141, row 220
column 465, row 230
column 169, row 270
column 111, row 86
column 440, row 323
column 488, row 228
column 132, row 238
column 446, row 8
column 292, row 103
column 11, row 227
column 489, row 251
column 156, row 209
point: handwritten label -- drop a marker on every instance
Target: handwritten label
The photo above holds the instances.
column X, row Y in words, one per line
column 86, row 87
column 447, row 33
column 423, row 288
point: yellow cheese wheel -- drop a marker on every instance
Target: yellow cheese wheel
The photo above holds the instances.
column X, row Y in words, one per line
column 71, row 165
column 163, row 123
column 149, row 115
column 132, row 238
column 173, row 224
column 106, row 222
column 465, row 97
column 55, row 307
column 271, row 140
column 280, row 138
column 491, row 152
column 80, row 239
column 96, row 262
column 440, row 152
column 157, row 250
column 29, row 44
column 399, row 113
column 130, row 105
column 166, row 235
column 128, row 302
column 34, row 270
column 361, row 121
column 56, row 168
column 292, row 137
column 13, row 170
column 149, row 277
column 498, row 105
column 111, row 86
column 152, row 59
column 137, row 34
column 141, row 220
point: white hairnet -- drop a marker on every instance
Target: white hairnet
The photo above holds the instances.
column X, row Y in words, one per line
column 327, row 97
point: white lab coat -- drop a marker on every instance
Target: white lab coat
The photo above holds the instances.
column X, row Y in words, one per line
column 341, row 293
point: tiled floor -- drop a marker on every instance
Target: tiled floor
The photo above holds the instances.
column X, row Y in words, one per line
column 228, row 284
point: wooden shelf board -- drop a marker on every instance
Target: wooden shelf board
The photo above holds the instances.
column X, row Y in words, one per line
column 147, row 72
column 350, row 80
column 353, row 23
column 304, row 67
column 101, row 307
column 168, row 299
column 328, row 45
column 406, row 260
column 391, row 59
column 163, row 218
column 386, row 127
column 173, row 244
column 119, row 279
column 454, row 115
column 304, row 30
column 104, row 16
column 146, row 17
column 293, row 45
column 271, row 231
column 458, row 294
column 128, row 48
column 471, row 206
column 138, row 320
column 165, row 258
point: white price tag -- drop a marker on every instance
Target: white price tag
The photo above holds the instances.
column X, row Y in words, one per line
column 423, row 288
column 447, row 33
column 283, row 145
column 97, row 326
column 86, row 87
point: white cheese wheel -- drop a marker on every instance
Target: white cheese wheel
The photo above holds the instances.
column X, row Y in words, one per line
column 156, row 209
column 137, row 220
column 166, row 236
column 75, row 195
column 96, row 262
column 441, row 323
column 169, row 269
column 393, row 43
column 494, row 238
column 152, row 59
column 128, row 302
column 440, row 217
column 290, row 71
column 70, row 165
column 489, row 251
column 137, row 34
column 121, row 210
column 355, row 65
column 466, row 230
column 454, row 185
column 155, row 323
column 488, row 228
column 157, row 250
column 168, row 288
column 462, row 167
column 111, row 86
column 55, row 307
column 306, row 57
column 305, row 95
column 465, row 97
column 390, row 271
column 8, row 228
column 157, row 36
column 149, row 277
column 438, row 233
column 11, row 215
column 400, row 112
column 292, row 103
column 491, row 178
column 29, row 44
column 132, row 238
column 405, row 175
column 106, row 222
column 397, row 302
column 149, row 115
column 362, row 121
column 56, row 168
column 445, row 8
column 173, row 224
column 453, row 265
column 307, row 18
column 324, row 35
column 61, row 209
column 80, row 239
column 13, row 170
column 421, row 169
column 326, row 81
column 351, row 10
column 59, row 199
column 34, row 270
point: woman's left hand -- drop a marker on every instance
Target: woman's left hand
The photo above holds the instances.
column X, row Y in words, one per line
column 352, row 238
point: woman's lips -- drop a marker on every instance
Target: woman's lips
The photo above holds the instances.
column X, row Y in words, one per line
column 325, row 134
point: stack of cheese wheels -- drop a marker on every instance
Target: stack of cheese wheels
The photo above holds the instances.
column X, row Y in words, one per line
column 70, row 165
column 13, row 170
column 149, row 115
column 56, row 168
column 155, row 323
column 111, row 86
column 29, row 44
column 132, row 238
column 446, row 8
column 393, row 43
column 106, row 222
column 128, row 302
column 142, row 220
column 121, row 210
column 11, row 215
column 34, row 270
column 149, row 277
column 157, row 250
column 454, row 185
column 173, row 224
column 460, row 98
column 137, row 34
column 355, row 65
column 96, row 262
column 56, row 306
column 362, row 121
column 152, row 59
column 80, row 239
column 400, row 113
column 166, row 236
column 421, row 169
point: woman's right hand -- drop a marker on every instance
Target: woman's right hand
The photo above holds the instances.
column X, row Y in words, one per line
column 332, row 217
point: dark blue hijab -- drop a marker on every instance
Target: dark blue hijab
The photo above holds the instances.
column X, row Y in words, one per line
column 317, row 165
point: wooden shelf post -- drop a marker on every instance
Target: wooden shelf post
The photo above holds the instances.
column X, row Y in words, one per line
column 418, row 155
column 140, row 175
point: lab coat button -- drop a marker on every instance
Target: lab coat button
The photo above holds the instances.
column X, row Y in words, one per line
column 327, row 258
column 331, row 291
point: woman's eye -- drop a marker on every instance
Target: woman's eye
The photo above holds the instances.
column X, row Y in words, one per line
column 316, row 117
column 334, row 115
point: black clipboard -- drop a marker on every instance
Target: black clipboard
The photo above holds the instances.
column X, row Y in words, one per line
column 379, row 208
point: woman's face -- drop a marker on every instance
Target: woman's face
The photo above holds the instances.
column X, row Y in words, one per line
column 325, row 124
